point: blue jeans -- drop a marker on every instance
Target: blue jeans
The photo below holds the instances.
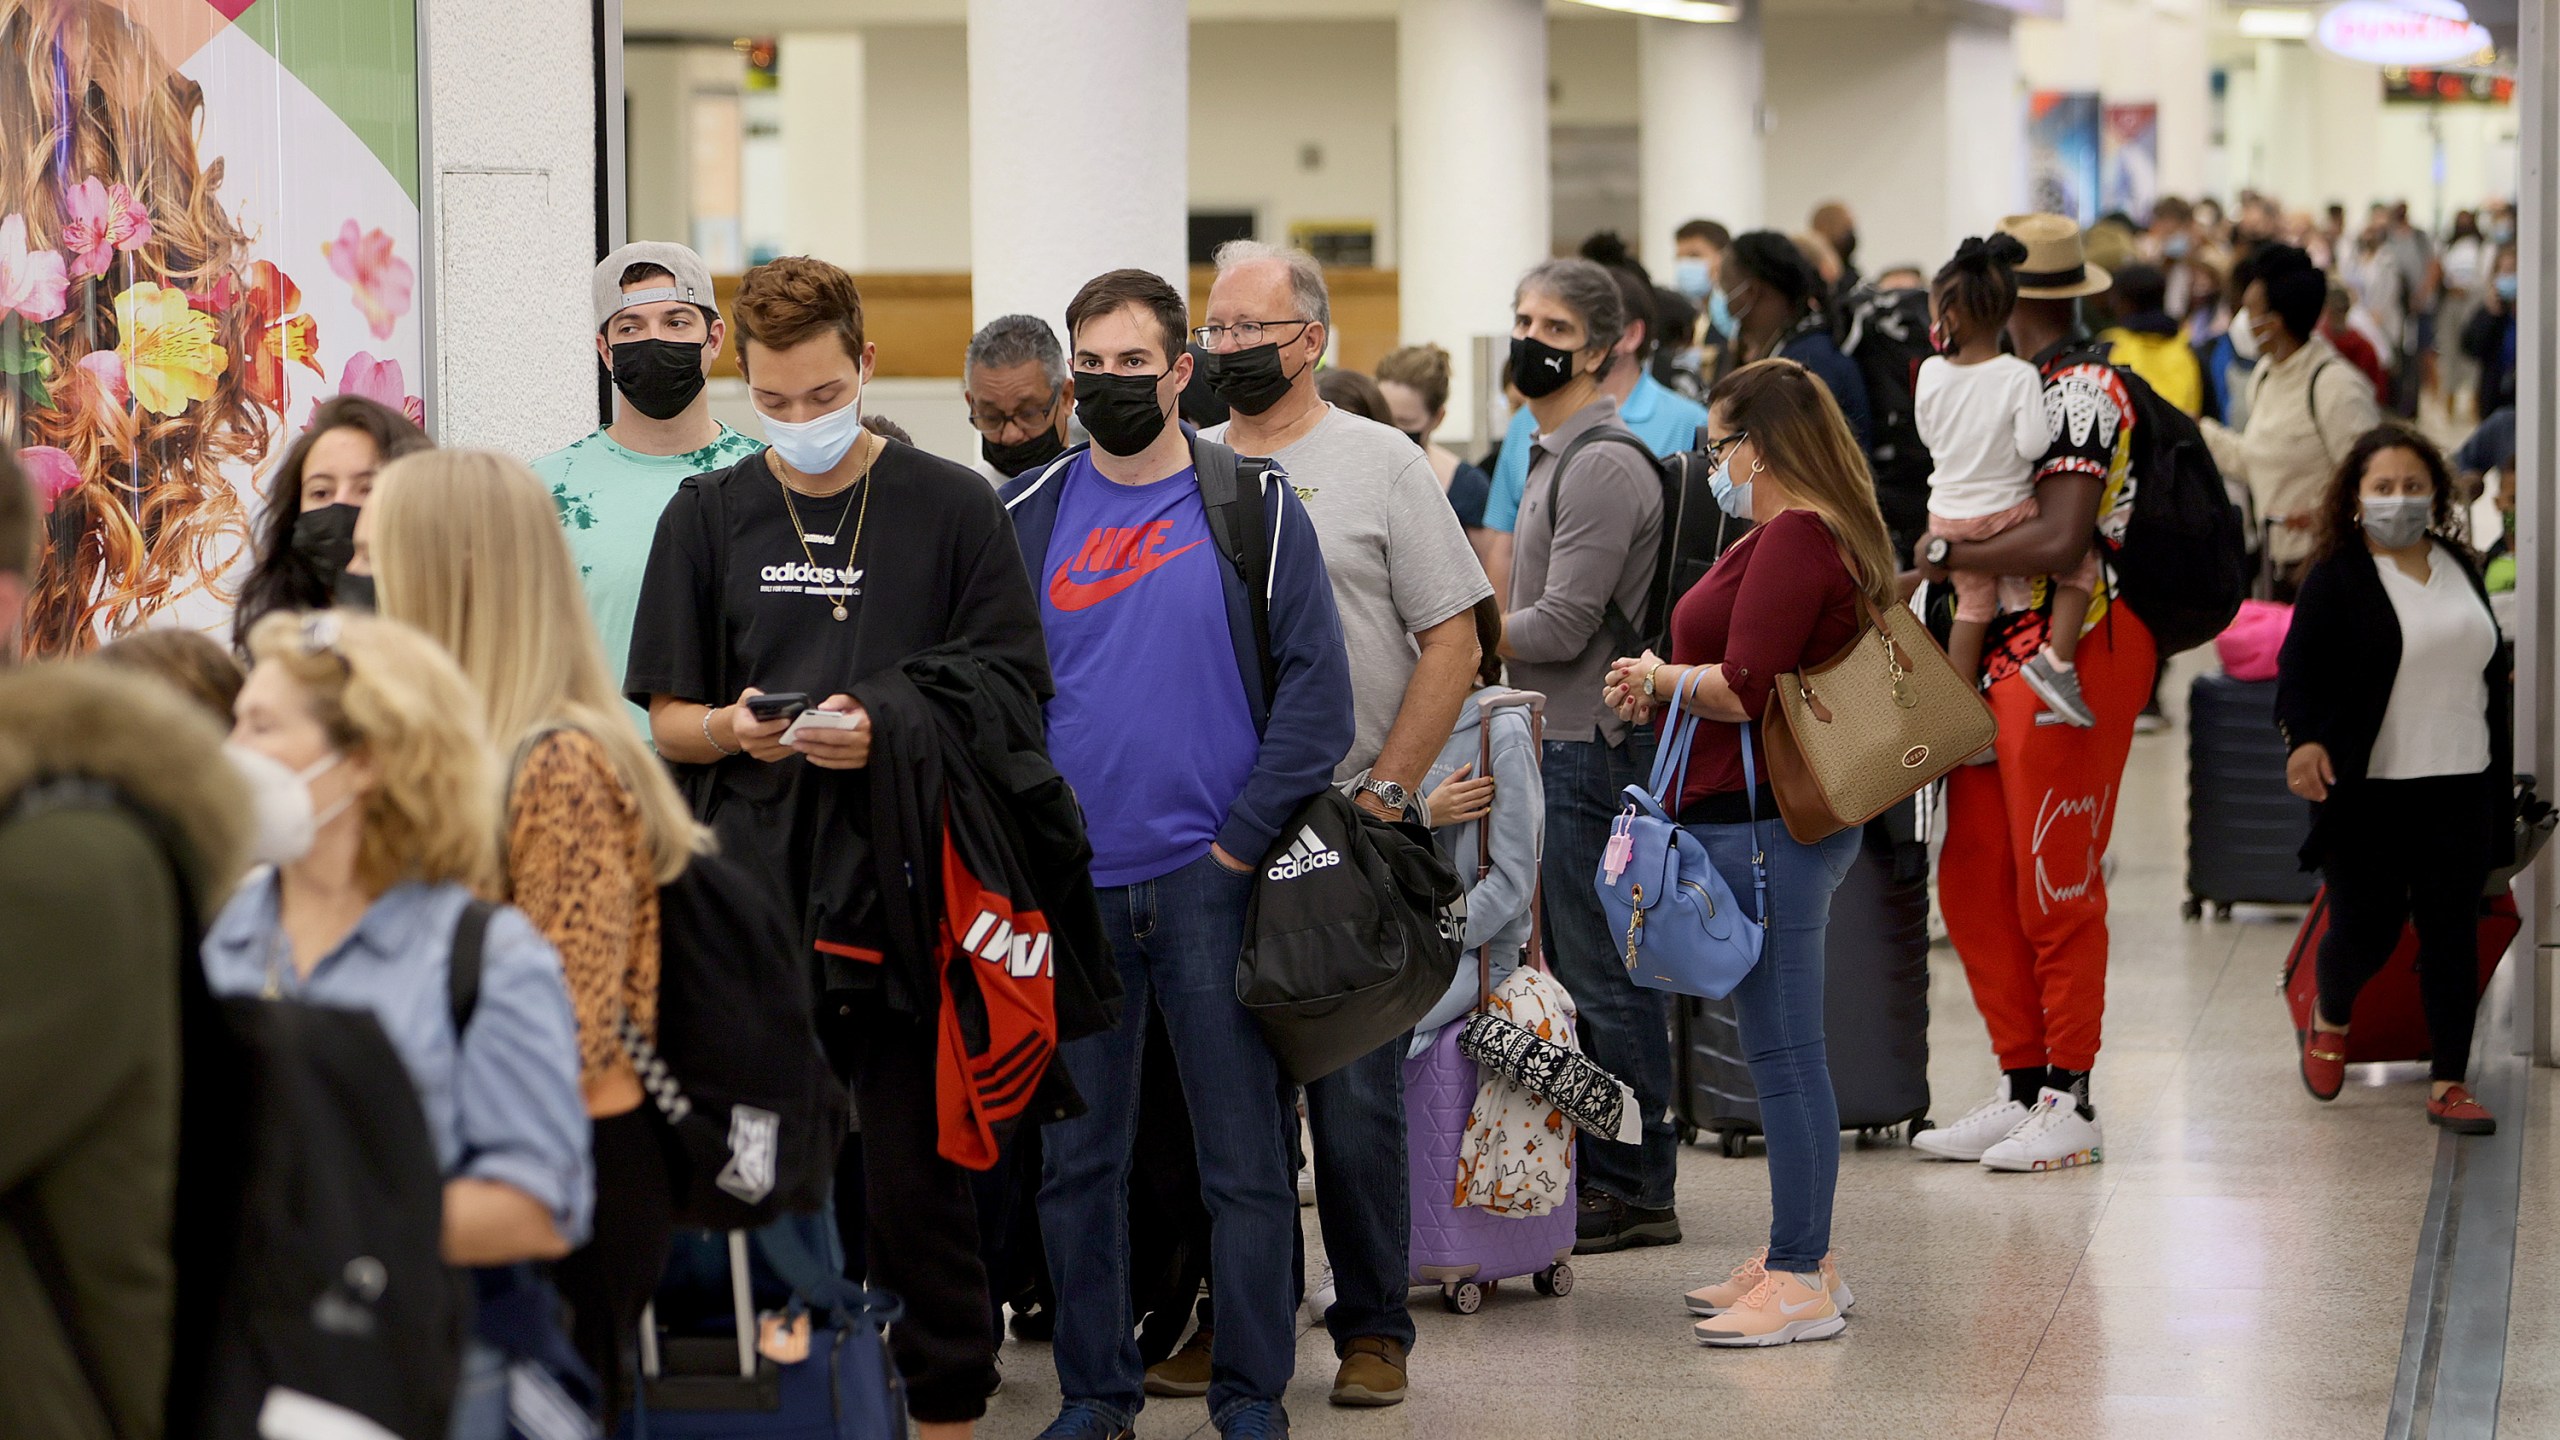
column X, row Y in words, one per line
column 1779, row 1008
column 480, row 1405
column 1356, row 1115
column 1625, row 1030
column 1178, row 937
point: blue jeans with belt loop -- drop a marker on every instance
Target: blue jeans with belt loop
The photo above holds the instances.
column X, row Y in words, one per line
column 1779, row 1008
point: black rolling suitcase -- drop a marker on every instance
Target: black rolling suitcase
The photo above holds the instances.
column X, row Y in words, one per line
column 1875, row 1002
column 2244, row 828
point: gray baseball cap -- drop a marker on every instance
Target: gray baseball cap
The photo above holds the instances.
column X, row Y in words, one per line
column 692, row 284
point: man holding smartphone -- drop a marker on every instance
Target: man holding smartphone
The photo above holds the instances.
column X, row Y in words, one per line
column 799, row 572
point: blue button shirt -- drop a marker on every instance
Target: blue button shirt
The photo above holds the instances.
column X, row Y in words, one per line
column 1664, row 419
column 508, row 1108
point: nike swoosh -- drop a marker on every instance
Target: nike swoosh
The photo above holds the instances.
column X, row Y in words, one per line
column 1069, row 594
column 1786, row 1308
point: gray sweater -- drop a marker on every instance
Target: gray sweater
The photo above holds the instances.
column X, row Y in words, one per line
column 1563, row 578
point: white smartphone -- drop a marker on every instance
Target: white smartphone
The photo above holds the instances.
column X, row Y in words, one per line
column 822, row 720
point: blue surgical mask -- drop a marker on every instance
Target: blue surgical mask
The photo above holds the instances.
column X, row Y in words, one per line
column 814, row 447
column 2176, row 247
column 2507, row 287
column 1732, row 499
column 1689, row 276
column 1720, row 316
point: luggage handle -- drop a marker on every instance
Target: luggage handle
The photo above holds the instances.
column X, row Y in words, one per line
column 1536, row 704
column 742, row 1308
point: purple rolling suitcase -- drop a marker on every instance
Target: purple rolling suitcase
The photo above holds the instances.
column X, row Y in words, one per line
column 1462, row 1249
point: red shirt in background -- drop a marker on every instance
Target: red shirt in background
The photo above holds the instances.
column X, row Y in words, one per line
column 2359, row 352
column 1779, row 600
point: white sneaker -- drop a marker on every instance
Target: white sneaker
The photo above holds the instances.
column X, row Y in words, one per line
column 1982, row 1127
column 2054, row 1136
column 1320, row 1296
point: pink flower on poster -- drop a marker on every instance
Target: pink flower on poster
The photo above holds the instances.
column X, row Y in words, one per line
column 51, row 470
column 101, row 390
column 381, row 381
column 33, row 284
column 102, row 220
column 382, row 280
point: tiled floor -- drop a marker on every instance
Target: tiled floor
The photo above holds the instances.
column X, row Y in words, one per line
column 2239, row 1266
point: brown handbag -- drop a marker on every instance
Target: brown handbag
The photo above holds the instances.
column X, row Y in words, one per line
column 1886, row 715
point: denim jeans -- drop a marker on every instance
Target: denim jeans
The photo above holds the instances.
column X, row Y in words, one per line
column 1356, row 1115
column 1176, row 937
column 480, row 1405
column 1779, row 1008
column 1624, row 1029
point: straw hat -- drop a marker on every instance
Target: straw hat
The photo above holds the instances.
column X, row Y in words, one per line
column 2057, row 265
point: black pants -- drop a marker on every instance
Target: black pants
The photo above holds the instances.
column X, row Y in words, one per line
column 2404, row 852
column 609, row 1280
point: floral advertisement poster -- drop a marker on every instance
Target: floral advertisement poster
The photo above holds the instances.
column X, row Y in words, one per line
column 209, row 223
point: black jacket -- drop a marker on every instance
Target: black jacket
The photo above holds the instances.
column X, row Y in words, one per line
column 2334, row 679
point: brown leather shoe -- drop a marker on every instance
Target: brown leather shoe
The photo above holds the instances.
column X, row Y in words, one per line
column 1372, row 1373
column 1184, row 1374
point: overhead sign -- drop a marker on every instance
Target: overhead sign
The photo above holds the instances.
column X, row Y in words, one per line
column 2411, row 32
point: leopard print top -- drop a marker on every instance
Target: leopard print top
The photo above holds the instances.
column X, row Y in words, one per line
column 578, row 864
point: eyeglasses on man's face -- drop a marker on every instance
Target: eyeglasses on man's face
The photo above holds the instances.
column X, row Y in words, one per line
column 1025, row 418
column 1245, row 334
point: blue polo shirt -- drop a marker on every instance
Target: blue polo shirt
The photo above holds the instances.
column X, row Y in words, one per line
column 1665, row 420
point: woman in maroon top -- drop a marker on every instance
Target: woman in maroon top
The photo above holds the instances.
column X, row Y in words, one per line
column 1786, row 596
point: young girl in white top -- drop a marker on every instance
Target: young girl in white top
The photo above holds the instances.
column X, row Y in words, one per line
column 1981, row 413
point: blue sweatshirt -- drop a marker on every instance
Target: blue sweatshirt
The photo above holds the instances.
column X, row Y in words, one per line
column 1304, row 729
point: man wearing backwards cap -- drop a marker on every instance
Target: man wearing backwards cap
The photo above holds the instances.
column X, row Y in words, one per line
column 2027, row 832
column 658, row 329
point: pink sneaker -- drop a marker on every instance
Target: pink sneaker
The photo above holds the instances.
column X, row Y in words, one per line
column 1783, row 1308
column 1717, row 1299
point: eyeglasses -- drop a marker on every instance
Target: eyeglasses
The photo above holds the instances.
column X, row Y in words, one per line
column 1246, row 333
column 1717, row 450
column 1031, row 417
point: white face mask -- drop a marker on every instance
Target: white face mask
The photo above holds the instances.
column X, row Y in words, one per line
column 281, row 799
column 814, row 447
column 2244, row 335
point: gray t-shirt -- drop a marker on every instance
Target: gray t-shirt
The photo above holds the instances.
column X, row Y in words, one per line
column 1400, row 561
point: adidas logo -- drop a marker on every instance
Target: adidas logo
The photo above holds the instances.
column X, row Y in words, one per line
column 1307, row 854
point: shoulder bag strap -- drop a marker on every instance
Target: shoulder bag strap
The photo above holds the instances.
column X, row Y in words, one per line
column 1236, row 524
column 2311, row 401
column 1622, row 631
column 462, row 974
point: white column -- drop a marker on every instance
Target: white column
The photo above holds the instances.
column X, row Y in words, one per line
column 1471, row 174
column 2538, row 468
column 2182, row 81
column 1698, row 146
column 1986, row 150
column 2287, row 128
column 822, row 144
column 658, row 166
column 1079, row 125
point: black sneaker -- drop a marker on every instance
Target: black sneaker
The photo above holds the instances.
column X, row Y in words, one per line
column 1608, row 1223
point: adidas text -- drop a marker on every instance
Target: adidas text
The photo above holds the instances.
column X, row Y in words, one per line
column 1307, row 854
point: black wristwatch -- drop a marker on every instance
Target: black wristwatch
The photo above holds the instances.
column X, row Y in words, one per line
column 1395, row 795
column 1937, row 549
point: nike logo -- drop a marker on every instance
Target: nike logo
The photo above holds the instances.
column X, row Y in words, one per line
column 1785, row 1308
column 1130, row 553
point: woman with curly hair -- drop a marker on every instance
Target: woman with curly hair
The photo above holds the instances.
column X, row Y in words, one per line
column 313, row 497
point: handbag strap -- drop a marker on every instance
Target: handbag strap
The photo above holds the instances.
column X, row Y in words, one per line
column 1671, row 759
column 1759, row 857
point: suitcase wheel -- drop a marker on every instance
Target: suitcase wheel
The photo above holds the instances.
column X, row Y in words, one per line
column 1554, row 1280
column 2191, row 909
column 1911, row 1131
column 1734, row 1143
column 1466, row 1297
column 1688, row 1132
column 2222, row 910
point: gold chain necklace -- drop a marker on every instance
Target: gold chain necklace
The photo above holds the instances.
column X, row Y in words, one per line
column 861, row 516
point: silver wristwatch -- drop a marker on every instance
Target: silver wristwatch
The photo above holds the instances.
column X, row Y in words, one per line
column 1395, row 795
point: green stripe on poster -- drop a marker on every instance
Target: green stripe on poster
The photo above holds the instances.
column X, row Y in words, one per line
column 361, row 58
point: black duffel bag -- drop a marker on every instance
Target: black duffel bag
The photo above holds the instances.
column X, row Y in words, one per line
column 1352, row 935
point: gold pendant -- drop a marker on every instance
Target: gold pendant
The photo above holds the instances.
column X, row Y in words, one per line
column 840, row 610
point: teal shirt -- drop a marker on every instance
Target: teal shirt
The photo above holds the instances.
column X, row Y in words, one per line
column 1663, row 418
column 610, row 499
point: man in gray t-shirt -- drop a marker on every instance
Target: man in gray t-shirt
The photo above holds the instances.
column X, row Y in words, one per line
column 1406, row 583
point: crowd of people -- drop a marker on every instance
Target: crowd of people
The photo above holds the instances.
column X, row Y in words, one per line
column 482, row 707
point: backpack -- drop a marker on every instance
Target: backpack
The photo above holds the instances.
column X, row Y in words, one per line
column 1887, row 337
column 1695, row 532
column 2183, row 564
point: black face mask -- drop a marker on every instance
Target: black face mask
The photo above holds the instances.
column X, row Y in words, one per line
column 658, row 377
column 1122, row 413
column 355, row 592
column 1250, row 380
column 1023, row 456
column 1538, row 368
column 326, row 539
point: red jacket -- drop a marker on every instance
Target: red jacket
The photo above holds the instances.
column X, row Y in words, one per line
column 2359, row 352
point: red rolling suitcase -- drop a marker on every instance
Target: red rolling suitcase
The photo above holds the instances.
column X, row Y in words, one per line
column 2388, row 1023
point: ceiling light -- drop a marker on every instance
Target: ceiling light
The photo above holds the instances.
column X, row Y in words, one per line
column 1702, row 12
column 2278, row 24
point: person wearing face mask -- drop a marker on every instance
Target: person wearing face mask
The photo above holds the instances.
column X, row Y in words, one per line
column 2306, row 405
column 658, row 332
column 308, row 533
column 2392, row 695
column 811, row 567
column 1415, row 381
column 1405, row 584
column 2490, row 337
column 1587, row 539
column 1183, row 803
column 1014, row 381
column 96, row 765
column 378, row 820
column 1767, row 303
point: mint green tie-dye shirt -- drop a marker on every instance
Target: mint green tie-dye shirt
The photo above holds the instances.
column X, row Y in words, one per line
column 610, row 499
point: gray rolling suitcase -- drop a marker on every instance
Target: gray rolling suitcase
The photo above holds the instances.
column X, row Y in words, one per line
column 2244, row 828
column 1875, row 1001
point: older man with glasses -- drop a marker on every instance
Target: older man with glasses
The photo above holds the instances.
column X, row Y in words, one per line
column 1015, row 384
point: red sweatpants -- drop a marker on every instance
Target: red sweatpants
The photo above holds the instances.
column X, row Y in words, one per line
column 2019, row 883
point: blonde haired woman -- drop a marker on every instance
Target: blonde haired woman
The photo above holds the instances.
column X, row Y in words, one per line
column 378, row 734
column 466, row 546
column 1789, row 594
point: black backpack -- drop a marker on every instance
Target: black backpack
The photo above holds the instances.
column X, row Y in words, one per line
column 1695, row 533
column 2183, row 565
column 1886, row 334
